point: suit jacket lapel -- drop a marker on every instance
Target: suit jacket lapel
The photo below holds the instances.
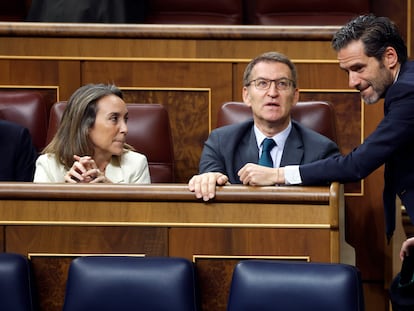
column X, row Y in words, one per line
column 293, row 150
column 247, row 151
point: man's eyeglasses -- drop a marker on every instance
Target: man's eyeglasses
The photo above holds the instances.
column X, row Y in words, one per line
column 282, row 84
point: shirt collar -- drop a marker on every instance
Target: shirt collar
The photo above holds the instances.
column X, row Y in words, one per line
column 279, row 138
column 396, row 76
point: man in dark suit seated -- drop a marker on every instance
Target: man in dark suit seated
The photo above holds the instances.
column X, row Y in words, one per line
column 270, row 90
column 18, row 155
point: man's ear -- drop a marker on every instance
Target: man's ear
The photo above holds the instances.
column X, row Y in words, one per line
column 390, row 57
column 296, row 95
column 246, row 96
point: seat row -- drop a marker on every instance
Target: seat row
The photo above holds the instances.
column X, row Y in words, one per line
column 149, row 128
column 126, row 283
column 230, row 12
column 255, row 12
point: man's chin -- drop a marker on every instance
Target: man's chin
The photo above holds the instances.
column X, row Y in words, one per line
column 370, row 99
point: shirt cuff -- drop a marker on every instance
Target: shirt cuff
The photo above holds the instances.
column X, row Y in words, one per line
column 292, row 175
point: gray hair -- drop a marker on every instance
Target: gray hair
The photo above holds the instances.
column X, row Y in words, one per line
column 269, row 57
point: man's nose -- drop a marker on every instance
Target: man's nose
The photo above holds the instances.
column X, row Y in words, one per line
column 353, row 79
column 273, row 90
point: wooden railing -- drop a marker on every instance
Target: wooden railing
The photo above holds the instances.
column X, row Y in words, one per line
column 156, row 31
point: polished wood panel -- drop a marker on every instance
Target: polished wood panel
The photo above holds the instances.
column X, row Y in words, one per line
column 53, row 223
column 51, row 249
column 150, row 204
column 87, row 239
column 186, row 107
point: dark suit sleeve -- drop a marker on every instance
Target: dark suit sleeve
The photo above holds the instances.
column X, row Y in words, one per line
column 391, row 141
column 25, row 157
column 329, row 149
column 212, row 159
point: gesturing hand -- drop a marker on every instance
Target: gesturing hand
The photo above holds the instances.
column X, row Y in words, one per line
column 257, row 175
column 84, row 170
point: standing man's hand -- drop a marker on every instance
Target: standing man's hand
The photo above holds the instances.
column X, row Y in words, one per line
column 405, row 247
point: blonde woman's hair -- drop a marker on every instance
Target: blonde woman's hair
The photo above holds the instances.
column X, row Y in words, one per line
column 72, row 136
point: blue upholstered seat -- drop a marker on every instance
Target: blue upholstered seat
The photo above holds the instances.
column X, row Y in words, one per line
column 268, row 285
column 110, row 283
column 17, row 290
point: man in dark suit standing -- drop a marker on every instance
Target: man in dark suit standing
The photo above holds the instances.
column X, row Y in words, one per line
column 270, row 90
column 18, row 155
column 373, row 53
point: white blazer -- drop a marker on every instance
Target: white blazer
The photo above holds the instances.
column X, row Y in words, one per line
column 132, row 169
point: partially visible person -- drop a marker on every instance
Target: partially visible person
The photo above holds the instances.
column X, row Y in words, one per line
column 372, row 52
column 269, row 88
column 402, row 286
column 407, row 248
column 90, row 143
column 18, row 154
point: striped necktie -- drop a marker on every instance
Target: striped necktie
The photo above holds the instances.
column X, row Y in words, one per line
column 265, row 158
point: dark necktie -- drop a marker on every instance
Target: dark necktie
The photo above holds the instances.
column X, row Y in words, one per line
column 265, row 158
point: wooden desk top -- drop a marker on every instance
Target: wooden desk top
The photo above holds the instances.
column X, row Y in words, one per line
column 170, row 205
column 164, row 192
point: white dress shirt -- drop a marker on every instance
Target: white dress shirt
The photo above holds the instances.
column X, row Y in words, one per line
column 280, row 139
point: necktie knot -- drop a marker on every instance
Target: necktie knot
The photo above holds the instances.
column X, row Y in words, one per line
column 265, row 158
column 268, row 144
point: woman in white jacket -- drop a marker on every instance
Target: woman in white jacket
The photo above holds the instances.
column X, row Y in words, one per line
column 90, row 143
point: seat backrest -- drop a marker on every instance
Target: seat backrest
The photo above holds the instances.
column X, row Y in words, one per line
column 229, row 12
column 17, row 287
column 14, row 11
column 316, row 115
column 28, row 109
column 304, row 12
column 55, row 115
column 109, row 283
column 271, row 285
column 149, row 132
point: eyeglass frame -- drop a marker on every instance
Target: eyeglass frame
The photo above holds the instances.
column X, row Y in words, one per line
column 292, row 83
